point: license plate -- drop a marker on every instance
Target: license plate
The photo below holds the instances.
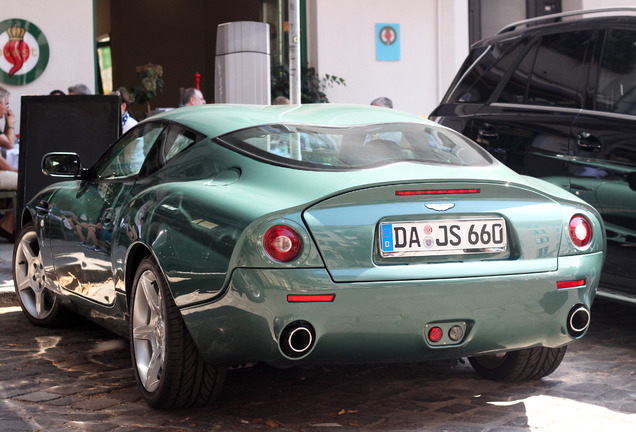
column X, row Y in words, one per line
column 443, row 237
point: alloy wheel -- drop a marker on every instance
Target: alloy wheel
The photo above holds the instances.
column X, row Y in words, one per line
column 30, row 278
column 149, row 331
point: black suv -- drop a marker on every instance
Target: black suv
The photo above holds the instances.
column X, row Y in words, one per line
column 555, row 97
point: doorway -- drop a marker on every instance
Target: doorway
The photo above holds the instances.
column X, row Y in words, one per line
column 487, row 17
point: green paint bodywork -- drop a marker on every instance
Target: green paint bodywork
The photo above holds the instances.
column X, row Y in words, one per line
column 204, row 214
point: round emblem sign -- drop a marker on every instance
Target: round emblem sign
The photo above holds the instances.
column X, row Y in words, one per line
column 388, row 35
column 25, row 52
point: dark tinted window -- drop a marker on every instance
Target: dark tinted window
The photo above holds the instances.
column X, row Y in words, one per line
column 517, row 86
column 559, row 68
column 478, row 84
column 617, row 77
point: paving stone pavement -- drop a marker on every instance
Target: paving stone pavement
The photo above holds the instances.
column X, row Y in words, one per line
column 79, row 378
column 7, row 296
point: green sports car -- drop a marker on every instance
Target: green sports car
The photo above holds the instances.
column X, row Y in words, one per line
column 225, row 235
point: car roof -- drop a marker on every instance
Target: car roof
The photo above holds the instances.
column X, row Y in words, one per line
column 218, row 119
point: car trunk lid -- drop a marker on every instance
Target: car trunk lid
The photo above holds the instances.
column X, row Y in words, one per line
column 423, row 230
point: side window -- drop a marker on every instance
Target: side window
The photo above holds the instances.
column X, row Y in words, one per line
column 617, row 76
column 125, row 158
column 177, row 140
column 559, row 68
column 515, row 90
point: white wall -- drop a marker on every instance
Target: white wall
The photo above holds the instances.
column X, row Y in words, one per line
column 342, row 43
column 593, row 4
column 571, row 5
column 68, row 27
column 495, row 14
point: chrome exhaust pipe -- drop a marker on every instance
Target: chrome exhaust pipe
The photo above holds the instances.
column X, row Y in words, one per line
column 578, row 320
column 297, row 339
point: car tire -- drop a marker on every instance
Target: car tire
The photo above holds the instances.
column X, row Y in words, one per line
column 40, row 305
column 169, row 371
column 522, row 365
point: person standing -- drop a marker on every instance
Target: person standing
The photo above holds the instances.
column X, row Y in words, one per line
column 127, row 121
column 382, row 102
column 192, row 96
column 280, row 100
column 7, row 137
column 8, row 174
column 79, row 89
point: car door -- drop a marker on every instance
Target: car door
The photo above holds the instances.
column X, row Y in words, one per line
column 603, row 169
column 83, row 216
column 527, row 123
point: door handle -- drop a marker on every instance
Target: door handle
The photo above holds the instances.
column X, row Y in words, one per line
column 588, row 142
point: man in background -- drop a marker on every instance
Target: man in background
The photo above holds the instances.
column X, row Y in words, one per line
column 382, row 102
column 192, row 96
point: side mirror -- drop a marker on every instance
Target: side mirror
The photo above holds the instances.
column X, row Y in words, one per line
column 62, row 165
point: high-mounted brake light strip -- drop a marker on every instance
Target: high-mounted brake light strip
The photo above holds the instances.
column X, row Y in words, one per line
column 310, row 298
column 437, row 192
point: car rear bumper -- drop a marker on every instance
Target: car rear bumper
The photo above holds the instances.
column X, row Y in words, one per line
column 388, row 321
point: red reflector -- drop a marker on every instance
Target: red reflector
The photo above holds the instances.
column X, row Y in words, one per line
column 435, row 334
column 437, row 192
column 571, row 284
column 310, row 298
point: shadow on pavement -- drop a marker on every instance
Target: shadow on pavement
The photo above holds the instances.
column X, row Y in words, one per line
column 80, row 378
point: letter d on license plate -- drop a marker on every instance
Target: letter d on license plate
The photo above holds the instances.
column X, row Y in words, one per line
column 443, row 237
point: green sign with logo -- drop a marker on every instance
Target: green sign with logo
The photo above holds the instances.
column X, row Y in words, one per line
column 25, row 52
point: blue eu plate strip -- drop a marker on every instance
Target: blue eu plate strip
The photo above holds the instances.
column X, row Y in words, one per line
column 387, row 237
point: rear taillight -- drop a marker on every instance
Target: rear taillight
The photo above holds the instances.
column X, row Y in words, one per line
column 282, row 243
column 580, row 230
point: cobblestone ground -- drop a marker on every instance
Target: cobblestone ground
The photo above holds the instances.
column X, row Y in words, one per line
column 80, row 379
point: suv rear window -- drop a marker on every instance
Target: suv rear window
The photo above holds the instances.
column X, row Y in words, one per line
column 342, row 148
column 485, row 70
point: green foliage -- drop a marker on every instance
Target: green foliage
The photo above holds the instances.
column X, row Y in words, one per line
column 312, row 86
column 151, row 84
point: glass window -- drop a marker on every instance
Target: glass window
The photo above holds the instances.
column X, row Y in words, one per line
column 125, row 158
column 514, row 91
column 481, row 80
column 177, row 140
column 345, row 148
column 559, row 68
column 617, row 77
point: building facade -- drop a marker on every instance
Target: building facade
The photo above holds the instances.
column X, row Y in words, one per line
column 407, row 50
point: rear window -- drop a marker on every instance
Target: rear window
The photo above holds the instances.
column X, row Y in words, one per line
column 487, row 69
column 342, row 148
